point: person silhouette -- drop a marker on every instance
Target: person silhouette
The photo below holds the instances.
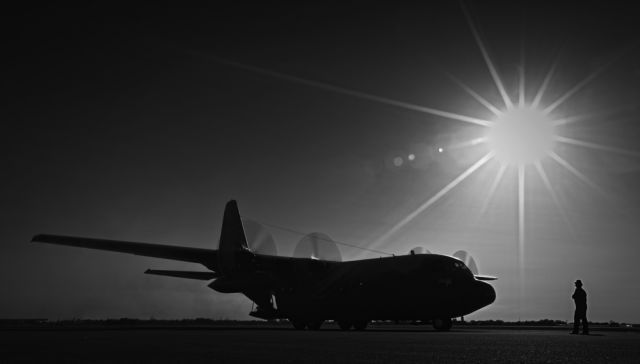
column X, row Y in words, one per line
column 580, row 298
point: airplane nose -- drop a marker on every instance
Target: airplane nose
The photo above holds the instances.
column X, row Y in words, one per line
column 486, row 293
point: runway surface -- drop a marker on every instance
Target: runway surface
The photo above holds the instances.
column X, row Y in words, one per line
column 278, row 345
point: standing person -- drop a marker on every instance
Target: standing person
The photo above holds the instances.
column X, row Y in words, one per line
column 580, row 299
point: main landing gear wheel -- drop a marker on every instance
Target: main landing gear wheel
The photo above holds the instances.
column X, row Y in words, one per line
column 344, row 325
column 442, row 324
column 360, row 325
column 315, row 325
column 302, row 324
column 298, row 324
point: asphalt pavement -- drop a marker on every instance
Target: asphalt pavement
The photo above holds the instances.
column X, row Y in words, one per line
column 281, row 344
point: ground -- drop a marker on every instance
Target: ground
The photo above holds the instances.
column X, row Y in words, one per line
column 379, row 344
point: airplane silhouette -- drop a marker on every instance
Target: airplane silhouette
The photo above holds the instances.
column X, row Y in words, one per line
column 309, row 291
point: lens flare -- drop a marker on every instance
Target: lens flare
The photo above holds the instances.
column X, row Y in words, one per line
column 522, row 135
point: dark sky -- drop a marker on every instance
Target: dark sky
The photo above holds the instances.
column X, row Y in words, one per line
column 128, row 123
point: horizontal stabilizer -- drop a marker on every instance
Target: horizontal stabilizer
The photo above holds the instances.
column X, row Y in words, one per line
column 485, row 278
column 203, row 276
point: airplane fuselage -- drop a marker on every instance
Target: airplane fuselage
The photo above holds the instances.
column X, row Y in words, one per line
column 411, row 287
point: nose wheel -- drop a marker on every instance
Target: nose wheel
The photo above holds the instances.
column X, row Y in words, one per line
column 358, row 325
column 345, row 325
column 442, row 324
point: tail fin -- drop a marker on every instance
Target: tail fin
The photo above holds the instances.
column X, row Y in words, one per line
column 232, row 240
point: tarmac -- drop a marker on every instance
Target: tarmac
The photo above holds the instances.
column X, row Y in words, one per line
column 382, row 344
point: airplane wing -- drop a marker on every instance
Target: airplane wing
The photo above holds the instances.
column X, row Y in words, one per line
column 206, row 257
column 203, row 276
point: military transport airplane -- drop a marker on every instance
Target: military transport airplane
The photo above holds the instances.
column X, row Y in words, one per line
column 309, row 291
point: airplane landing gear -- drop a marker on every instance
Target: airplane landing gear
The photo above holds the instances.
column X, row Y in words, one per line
column 344, row 325
column 315, row 325
column 357, row 325
column 360, row 325
column 298, row 324
column 442, row 324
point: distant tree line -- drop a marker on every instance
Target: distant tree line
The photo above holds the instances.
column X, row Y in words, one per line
column 202, row 321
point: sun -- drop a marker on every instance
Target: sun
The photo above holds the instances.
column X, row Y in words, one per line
column 521, row 135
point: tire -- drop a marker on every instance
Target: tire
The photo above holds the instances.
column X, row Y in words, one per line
column 442, row 324
column 315, row 325
column 298, row 324
column 360, row 325
column 344, row 325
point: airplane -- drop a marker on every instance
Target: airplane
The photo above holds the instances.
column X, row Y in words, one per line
column 308, row 291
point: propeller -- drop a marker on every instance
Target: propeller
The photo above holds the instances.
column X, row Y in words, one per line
column 468, row 260
column 419, row 250
column 259, row 238
column 317, row 246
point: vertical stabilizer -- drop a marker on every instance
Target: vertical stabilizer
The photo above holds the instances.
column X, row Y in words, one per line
column 232, row 240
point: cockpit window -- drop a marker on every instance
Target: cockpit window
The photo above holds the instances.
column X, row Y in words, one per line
column 441, row 266
column 461, row 267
